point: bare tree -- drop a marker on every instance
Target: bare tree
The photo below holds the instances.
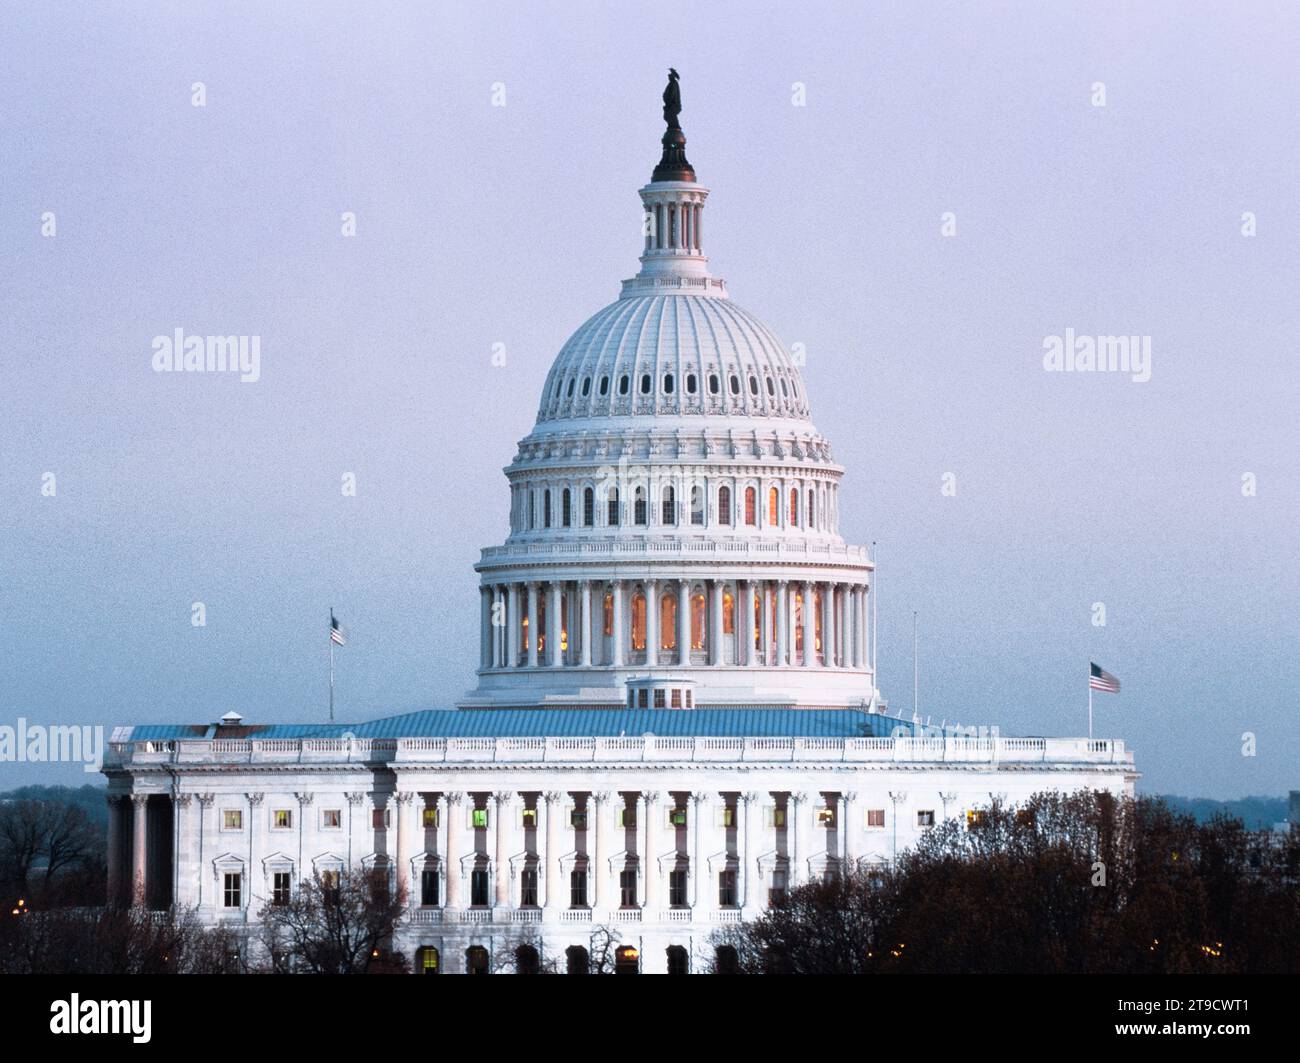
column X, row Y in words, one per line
column 41, row 842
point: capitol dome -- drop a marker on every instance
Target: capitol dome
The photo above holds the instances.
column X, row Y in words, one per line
column 674, row 513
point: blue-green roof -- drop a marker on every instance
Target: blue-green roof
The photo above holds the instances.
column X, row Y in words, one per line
column 567, row 723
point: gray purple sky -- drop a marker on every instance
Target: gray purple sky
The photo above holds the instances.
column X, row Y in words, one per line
column 479, row 225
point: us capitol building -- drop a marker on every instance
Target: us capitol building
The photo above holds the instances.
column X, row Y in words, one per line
column 676, row 717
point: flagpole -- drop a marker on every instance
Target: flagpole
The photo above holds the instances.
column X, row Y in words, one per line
column 331, row 664
column 1089, row 701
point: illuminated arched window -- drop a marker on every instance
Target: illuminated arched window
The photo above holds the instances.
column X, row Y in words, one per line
column 697, row 622
column 818, row 615
column 609, row 614
column 773, row 507
column 751, row 506
column 566, row 508
column 428, row 957
column 541, row 624
column 728, row 613
column 639, row 515
column 794, row 507
column 724, row 505
column 564, row 623
column 638, row 621
column 668, row 622
column 668, row 506
column 758, row 620
column 524, row 631
column 798, row 623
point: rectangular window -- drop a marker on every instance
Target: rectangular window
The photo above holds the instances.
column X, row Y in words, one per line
column 612, row 507
column 776, row 892
column 642, row 699
column 329, row 881
column 429, row 888
column 478, row 818
column 429, row 817
column 925, row 818
column 976, row 817
column 627, row 888
column 826, row 817
column 528, row 888
column 776, row 817
column 726, row 817
column 727, row 889
column 659, row 698
column 677, row 889
column 677, row 698
column 578, row 889
column 232, row 819
column 379, row 818
column 478, row 887
column 281, row 888
column 578, row 818
column 875, row 817
column 282, row 819
column 677, row 817
column 627, row 818
column 528, row 818
column 588, row 507
column 232, row 895
column 331, row 818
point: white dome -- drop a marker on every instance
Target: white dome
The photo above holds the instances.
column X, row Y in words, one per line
column 670, row 354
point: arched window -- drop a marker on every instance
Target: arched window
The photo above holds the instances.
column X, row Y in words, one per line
column 575, row 960
column 728, row 613
column 773, row 507
column 668, row 384
column 668, row 506
column 794, row 507
column 758, row 620
column 771, row 388
column 724, row 505
column 677, row 960
column 697, row 504
column 638, row 621
column 588, row 507
column 428, row 960
column 798, row 625
column 547, row 507
column 611, row 516
column 476, row 960
column 566, row 507
column 735, row 384
column 639, row 515
column 527, row 961
column 645, row 383
column 532, row 510
column 751, row 507
column 713, row 383
column 697, row 622
column 753, row 384
column 627, row 960
column 812, row 509
column 668, row 622
column 609, row 614
column 725, row 960
column 623, row 384
column 690, row 383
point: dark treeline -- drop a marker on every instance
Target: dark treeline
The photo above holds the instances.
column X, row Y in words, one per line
column 1065, row 883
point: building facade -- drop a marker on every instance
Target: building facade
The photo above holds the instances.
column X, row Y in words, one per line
column 676, row 718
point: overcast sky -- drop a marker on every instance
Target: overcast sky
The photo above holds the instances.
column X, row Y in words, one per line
column 479, row 225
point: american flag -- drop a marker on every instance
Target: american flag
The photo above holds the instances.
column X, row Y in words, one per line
column 1100, row 679
column 337, row 635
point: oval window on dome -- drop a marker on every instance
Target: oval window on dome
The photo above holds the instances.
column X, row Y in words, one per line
column 785, row 391
column 753, row 384
column 668, row 384
column 735, row 384
column 572, row 381
column 771, row 388
column 714, row 385
column 604, row 385
column 623, row 384
column 690, row 383
column 586, row 386
column 645, row 383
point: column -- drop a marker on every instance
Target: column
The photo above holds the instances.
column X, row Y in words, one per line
column 717, row 653
column 749, row 806
column 705, row 895
column 114, row 850
column 255, row 828
column 809, row 626
column 683, row 622
column 503, row 816
column 553, row 621
column 139, row 808
column 532, row 625
column 651, row 803
column 183, row 851
column 619, row 636
column 512, row 626
column 402, row 813
column 485, row 627
column 584, row 628
column 694, row 824
column 651, row 622
column 451, row 850
column 745, row 623
column 849, row 829
column 863, row 599
column 551, row 858
column 597, row 813
column 829, row 626
column 800, row 809
column 782, row 623
column 206, row 829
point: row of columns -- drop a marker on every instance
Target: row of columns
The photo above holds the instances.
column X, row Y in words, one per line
column 794, row 643
column 675, row 226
